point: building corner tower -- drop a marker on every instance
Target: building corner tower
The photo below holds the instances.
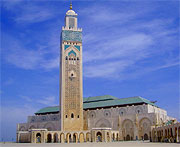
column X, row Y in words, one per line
column 71, row 91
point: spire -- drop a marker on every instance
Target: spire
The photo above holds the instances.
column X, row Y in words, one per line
column 71, row 5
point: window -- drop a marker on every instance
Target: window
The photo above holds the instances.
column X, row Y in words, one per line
column 72, row 75
column 78, row 116
column 77, row 58
column 72, row 115
column 66, row 58
column 66, row 116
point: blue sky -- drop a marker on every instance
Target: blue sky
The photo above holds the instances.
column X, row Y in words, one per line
column 130, row 48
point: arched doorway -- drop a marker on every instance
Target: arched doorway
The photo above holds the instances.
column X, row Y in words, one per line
column 68, row 138
column 74, row 137
column 38, row 138
column 113, row 137
column 128, row 129
column 49, row 138
column 108, row 137
column 88, row 137
column 117, row 138
column 146, row 137
column 99, row 137
column 55, row 138
column 128, row 138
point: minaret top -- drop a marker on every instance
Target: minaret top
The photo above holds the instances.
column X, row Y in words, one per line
column 71, row 12
column 70, row 5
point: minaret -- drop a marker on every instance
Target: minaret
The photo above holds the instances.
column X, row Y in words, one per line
column 71, row 91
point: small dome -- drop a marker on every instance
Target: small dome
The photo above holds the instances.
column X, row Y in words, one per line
column 70, row 12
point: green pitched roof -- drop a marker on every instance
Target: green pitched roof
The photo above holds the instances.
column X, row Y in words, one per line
column 99, row 98
column 48, row 110
column 101, row 101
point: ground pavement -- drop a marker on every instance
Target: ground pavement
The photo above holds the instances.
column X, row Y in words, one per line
column 99, row 144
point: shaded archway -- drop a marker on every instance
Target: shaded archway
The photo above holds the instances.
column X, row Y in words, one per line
column 68, row 138
column 38, row 138
column 145, row 125
column 99, row 137
column 117, row 137
column 88, row 137
column 49, row 138
column 75, row 138
column 128, row 137
column 113, row 136
column 146, row 137
column 55, row 138
column 108, row 137
column 128, row 129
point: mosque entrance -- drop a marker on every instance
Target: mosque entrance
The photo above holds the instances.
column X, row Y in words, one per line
column 128, row 138
column 146, row 137
column 99, row 137
column 38, row 138
column 74, row 138
column 49, row 138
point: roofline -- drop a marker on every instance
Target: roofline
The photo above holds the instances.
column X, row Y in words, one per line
column 114, row 106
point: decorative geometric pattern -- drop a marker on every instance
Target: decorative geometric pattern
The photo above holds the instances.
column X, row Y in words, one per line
column 77, row 46
column 66, row 46
column 71, row 52
column 68, row 35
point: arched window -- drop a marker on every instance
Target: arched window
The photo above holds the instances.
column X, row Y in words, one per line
column 66, row 116
column 78, row 116
column 77, row 58
column 72, row 115
column 66, row 58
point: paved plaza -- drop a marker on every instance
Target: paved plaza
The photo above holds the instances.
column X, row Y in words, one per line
column 112, row 144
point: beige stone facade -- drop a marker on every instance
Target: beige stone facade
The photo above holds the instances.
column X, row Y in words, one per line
column 93, row 119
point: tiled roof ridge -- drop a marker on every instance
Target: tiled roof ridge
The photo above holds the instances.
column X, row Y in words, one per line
column 101, row 96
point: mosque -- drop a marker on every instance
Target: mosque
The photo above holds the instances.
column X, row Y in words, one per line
column 93, row 119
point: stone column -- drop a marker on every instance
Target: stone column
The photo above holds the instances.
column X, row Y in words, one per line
column 177, row 135
column 17, row 137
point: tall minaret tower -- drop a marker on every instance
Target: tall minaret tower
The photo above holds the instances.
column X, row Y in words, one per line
column 71, row 91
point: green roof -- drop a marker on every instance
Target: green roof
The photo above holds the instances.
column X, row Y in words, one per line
column 99, row 98
column 100, row 102
column 169, row 122
column 48, row 110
